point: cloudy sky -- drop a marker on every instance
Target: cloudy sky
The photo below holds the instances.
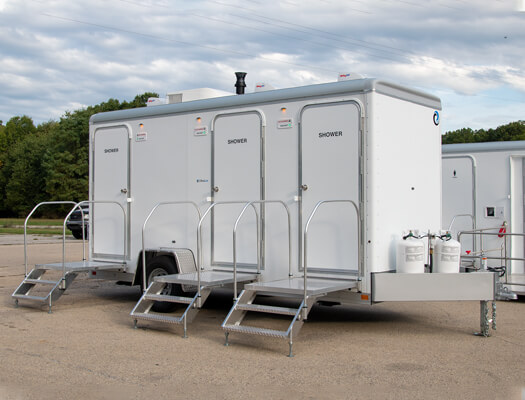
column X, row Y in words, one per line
column 60, row 55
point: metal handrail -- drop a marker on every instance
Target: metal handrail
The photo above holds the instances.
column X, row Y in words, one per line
column 29, row 216
column 199, row 237
column 251, row 203
column 163, row 203
column 504, row 258
column 462, row 215
column 78, row 205
column 305, row 240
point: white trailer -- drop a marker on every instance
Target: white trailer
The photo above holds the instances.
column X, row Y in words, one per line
column 336, row 173
column 483, row 199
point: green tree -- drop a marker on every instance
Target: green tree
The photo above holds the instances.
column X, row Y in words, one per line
column 508, row 132
column 26, row 185
column 16, row 129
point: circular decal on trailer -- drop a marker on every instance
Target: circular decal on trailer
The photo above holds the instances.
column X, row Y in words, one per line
column 436, row 118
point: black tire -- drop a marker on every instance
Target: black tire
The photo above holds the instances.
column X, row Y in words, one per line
column 163, row 265
column 77, row 233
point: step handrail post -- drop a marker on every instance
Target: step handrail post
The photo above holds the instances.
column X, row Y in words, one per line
column 78, row 205
column 27, row 219
column 163, row 203
column 199, row 238
column 259, row 258
column 305, row 241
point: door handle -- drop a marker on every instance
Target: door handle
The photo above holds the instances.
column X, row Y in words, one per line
column 124, row 190
column 215, row 189
column 304, row 187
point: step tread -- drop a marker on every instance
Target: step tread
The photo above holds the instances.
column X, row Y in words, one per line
column 267, row 309
column 255, row 331
column 29, row 297
column 40, row 281
column 158, row 318
column 170, row 299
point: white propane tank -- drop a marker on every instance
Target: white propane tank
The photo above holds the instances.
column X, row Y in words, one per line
column 410, row 256
column 446, row 256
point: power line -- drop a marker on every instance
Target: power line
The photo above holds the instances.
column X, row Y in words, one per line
column 325, row 45
column 148, row 35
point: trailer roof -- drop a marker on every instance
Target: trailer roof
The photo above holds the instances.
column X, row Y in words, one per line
column 311, row 91
column 482, row 147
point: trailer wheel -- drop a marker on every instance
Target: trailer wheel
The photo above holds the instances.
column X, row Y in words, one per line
column 159, row 266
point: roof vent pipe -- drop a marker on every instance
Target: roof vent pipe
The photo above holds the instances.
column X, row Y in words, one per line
column 240, row 84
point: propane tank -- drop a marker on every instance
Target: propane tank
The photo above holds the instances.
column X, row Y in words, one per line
column 410, row 256
column 446, row 256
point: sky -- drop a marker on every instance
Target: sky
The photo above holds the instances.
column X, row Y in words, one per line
column 62, row 55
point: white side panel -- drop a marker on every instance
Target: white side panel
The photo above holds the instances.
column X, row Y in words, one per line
column 110, row 152
column 432, row 287
column 404, row 176
column 237, row 176
column 330, row 170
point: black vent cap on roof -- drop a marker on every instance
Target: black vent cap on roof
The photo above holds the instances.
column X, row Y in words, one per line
column 240, row 84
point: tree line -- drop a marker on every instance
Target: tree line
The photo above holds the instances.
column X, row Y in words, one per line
column 509, row 132
column 49, row 161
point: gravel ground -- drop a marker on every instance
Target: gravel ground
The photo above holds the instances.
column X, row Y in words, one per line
column 87, row 348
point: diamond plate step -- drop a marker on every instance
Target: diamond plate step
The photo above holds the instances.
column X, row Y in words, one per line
column 267, row 309
column 40, row 281
column 255, row 331
column 169, row 299
column 158, row 317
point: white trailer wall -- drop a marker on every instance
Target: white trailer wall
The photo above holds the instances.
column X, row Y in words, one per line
column 368, row 141
column 403, row 175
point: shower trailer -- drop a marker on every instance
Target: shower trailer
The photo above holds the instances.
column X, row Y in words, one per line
column 304, row 192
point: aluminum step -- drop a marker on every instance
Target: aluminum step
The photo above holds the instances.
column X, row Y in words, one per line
column 255, row 331
column 40, row 281
column 169, row 299
column 157, row 317
column 267, row 309
column 29, row 297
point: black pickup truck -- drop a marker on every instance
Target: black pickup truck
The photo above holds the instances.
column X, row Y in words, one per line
column 74, row 223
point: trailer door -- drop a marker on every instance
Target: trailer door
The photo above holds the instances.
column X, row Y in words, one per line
column 458, row 197
column 237, row 176
column 329, row 170
column 110, row 184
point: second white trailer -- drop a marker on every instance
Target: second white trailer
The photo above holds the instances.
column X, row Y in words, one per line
column 483, row 191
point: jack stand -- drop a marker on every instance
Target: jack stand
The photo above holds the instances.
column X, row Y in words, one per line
column 494, row 315
column 484, row 319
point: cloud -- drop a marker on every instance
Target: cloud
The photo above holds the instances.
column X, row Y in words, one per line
column 55, row 54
